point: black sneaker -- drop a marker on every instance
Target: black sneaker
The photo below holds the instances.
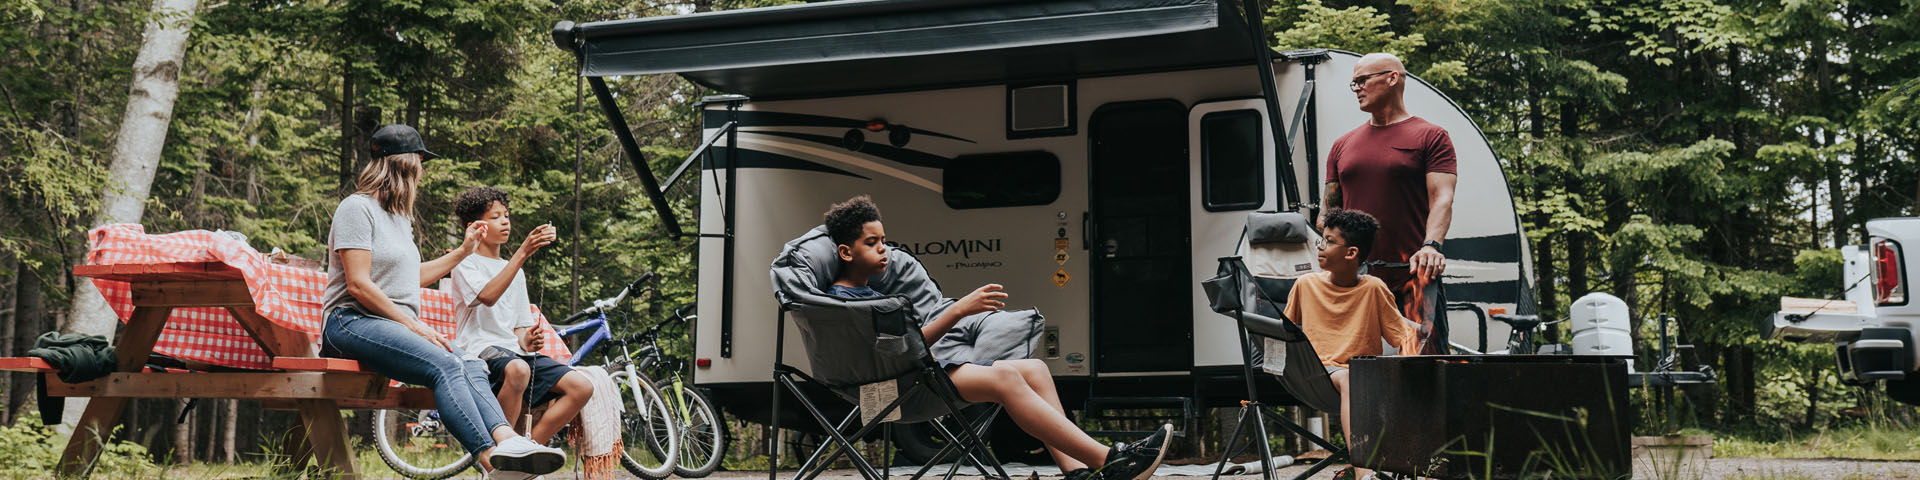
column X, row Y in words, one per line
column 1137, row 460
column 1082, row 474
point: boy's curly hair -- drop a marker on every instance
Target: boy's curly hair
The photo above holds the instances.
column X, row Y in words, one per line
column 473, row 203
column 845, row 220
column 1356, row 228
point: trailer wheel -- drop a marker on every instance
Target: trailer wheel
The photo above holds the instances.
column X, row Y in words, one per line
column 916, row 442
column 1011, row 444
column 1906, row 391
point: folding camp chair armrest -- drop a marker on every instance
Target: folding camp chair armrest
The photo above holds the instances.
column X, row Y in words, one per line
column 1270, row 327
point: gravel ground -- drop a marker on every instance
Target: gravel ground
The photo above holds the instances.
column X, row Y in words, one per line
column 1718, row 468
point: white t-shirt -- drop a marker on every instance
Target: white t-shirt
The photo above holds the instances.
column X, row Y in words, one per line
column 478, row 325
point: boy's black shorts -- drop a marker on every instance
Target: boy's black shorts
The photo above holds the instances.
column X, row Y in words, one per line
column 546, row 374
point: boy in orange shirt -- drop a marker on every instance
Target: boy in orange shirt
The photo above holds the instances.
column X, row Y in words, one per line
column 1344, row 313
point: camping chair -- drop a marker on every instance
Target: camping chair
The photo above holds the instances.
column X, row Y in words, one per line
column 869, row 347
column 1253, row 291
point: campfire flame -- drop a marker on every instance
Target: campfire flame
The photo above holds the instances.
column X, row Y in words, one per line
column 1431, row 340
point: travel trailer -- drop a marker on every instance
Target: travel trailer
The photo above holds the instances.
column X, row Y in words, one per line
column 1095, row 158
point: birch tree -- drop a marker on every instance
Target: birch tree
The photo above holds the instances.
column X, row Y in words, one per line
column 136, row 152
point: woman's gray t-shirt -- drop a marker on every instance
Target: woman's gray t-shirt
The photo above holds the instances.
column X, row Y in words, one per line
column 360, row 224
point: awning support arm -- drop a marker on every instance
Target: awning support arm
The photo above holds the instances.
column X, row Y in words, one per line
column 620, row 130
column 697, row 152
column 1299, row 113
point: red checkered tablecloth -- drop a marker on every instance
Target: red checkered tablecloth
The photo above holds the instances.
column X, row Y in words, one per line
column 285, row 295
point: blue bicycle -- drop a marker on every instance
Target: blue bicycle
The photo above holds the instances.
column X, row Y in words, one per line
column 673, row 433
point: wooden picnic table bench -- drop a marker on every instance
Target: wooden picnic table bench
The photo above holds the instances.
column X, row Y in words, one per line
column 316, row 387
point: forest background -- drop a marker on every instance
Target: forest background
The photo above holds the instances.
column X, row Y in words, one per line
column 1695, row 157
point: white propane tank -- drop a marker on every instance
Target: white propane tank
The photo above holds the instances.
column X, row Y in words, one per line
column 1600, row 326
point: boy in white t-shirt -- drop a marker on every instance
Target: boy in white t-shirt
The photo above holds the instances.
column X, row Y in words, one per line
column 495, row 319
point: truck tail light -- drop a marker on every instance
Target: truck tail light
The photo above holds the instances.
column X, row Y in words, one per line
column 1889, row 285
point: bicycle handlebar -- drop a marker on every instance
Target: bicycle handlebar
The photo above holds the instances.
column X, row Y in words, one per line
column 610, row 302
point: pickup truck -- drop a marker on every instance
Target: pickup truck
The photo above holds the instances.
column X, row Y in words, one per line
column 1873, row 329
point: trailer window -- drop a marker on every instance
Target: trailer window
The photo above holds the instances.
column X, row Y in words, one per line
column 996, row 180
column 1230, row 163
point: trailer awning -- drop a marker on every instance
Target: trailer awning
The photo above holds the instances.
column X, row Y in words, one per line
column 870, row 46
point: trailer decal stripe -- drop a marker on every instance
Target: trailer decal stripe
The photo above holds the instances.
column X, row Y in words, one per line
column 1490, row 249
column 1506, row 291
column 750, row 158
column 907, row 156
column 842, row 156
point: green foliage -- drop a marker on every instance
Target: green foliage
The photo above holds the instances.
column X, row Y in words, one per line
column 33, row 451
column 1361, row 29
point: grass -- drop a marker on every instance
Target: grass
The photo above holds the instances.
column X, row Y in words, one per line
column 1863, row 443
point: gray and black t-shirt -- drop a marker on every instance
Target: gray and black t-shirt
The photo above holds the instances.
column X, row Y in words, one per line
column 360, row 224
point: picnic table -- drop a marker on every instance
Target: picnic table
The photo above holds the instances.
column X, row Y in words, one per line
column 210, row 299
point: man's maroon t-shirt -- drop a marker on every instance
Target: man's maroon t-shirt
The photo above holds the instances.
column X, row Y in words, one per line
column 1383, row 171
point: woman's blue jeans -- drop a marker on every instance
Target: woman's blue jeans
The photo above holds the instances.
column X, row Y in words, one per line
column 458, row 381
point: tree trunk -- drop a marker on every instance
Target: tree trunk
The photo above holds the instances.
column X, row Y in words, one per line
column 346, row 126
column 1543, row 253
column 1836, row 196
column 136, row 150
column 228, row 441
column 30, row 312
column 182, row 434
column 9, row 381
column 1577, row 283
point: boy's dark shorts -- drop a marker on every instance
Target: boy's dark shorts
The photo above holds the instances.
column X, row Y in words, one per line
column 546, row 374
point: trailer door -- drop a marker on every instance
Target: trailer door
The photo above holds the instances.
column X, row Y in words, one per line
column 1142, row 311
column 1230, row 151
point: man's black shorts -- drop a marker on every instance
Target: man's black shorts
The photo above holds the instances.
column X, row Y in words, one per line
column 546, row 374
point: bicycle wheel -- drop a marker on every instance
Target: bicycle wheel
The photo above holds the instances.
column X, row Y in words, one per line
column 703, row 437
column 647, row 430
column 416, row 445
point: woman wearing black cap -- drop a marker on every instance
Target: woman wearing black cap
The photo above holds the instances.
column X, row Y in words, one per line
column 374, row 277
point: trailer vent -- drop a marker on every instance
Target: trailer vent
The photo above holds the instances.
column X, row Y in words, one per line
column 1040, row 110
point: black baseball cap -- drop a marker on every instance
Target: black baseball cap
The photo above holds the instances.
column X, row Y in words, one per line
column 398, row 139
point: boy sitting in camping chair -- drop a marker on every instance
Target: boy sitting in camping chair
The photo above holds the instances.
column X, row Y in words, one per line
column 1343, row 312
column 1023, row 387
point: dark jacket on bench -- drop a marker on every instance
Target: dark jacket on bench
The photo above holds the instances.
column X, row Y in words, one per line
column 76, row 358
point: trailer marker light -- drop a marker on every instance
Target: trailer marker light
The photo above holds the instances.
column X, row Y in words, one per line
column 876, row 125
column 703, row 362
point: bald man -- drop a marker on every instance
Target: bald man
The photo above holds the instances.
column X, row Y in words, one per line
column 1398, row 168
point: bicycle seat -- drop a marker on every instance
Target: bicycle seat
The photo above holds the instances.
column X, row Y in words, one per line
column 1519, row 322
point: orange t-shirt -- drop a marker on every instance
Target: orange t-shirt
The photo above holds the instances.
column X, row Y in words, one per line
column 1342, row 323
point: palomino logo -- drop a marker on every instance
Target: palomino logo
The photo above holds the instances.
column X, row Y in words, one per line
column 966, row 248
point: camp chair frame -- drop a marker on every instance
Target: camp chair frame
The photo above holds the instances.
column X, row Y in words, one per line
column 1254, row 412
column 927, row 379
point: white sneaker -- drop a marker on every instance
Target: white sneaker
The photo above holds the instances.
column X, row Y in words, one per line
column 518, row 455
